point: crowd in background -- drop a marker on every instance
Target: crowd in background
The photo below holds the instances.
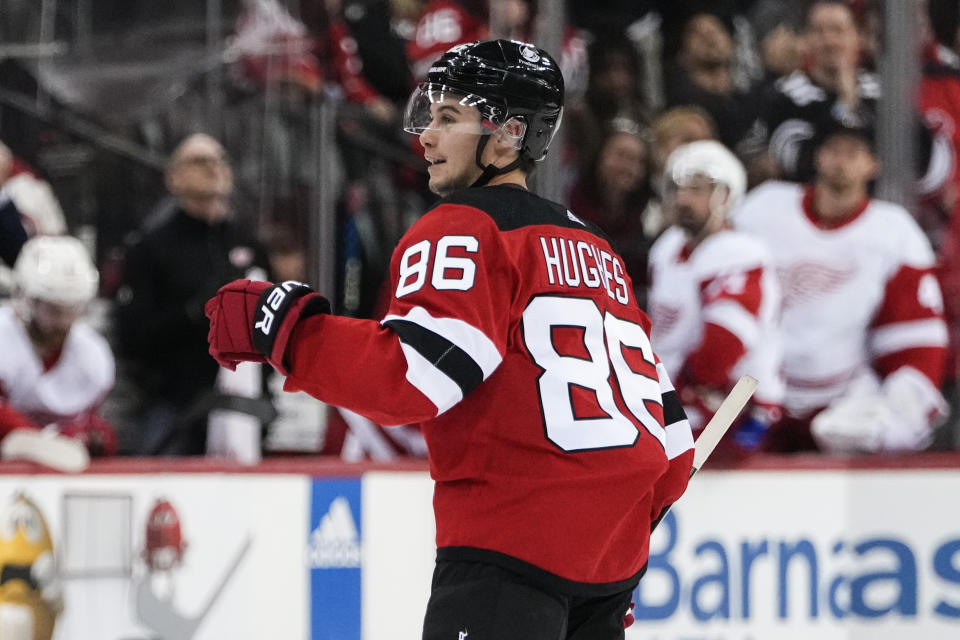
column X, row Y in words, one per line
column 769, row 80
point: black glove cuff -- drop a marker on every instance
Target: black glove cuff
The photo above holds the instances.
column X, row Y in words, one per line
column 271, row 311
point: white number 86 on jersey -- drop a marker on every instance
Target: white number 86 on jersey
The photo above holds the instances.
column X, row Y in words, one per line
column 604, row 337
column 449, row 272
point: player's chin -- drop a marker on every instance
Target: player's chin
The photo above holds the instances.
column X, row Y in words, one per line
column 438, row 187
column 442, row 186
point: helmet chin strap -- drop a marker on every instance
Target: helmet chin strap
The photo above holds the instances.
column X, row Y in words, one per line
column 490, row 170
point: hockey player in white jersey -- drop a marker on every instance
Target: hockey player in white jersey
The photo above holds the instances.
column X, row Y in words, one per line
column 55, row 369
column 864, row 337
column 714, row 299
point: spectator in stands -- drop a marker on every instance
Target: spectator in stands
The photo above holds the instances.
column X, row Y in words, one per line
column 55, row 370
column 381, row 187
column 864, row 338
column 39, row 208
column 671, row 129
column 674, row 128
column 777, row 25
column 613, row 92
column 445, row 23
column 442, row 24
column 714, row 300
column 940, row 214
column 833, row 87
column 702, row 74
column 174, row 266
column 940, row 104
column 367, row 57
column 12, row 233
column 28, row 207
column 614, row 193
column 274, row 47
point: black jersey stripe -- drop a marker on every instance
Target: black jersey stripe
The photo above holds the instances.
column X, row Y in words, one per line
column 440, row 352
column 672, row 409
column 511, row 207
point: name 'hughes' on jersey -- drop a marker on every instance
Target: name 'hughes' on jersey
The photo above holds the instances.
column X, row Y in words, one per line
column 566, row 259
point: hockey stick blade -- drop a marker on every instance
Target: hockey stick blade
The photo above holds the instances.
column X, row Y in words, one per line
column 729, row 409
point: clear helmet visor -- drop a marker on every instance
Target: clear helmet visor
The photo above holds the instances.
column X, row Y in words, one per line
column 439, row 108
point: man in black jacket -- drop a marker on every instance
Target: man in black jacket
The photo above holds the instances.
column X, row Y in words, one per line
column 180, row 259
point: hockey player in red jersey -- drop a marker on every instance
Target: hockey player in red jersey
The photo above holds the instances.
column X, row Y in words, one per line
column 513, row 337
column 714, row 297
column 863, row 331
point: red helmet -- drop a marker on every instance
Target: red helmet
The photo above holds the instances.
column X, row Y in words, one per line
column 164, row 544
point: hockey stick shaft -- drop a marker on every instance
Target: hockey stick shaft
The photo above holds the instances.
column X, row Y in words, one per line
column 718, row 425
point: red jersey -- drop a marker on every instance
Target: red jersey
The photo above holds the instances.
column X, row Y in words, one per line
column 513, row 337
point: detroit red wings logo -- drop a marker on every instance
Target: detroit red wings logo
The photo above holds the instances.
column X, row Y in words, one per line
column 663, row 318
column 803, row 281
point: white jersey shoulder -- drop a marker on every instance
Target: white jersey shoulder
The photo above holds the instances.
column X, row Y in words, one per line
column 763, row 204
column 667, row 245
column 80, row 379
column 722, row 252
column 730, row 250
column 899, row 233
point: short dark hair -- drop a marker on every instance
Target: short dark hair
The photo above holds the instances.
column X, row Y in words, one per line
column 837, row 3
column 864, row 133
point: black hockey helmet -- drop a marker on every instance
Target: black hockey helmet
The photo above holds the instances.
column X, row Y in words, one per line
column 504, row 80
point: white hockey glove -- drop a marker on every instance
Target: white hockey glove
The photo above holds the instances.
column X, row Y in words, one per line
column 899, row 417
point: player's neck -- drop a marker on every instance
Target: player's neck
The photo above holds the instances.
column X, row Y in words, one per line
column 47, row 348
column 516, row 177
column 831, row 205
